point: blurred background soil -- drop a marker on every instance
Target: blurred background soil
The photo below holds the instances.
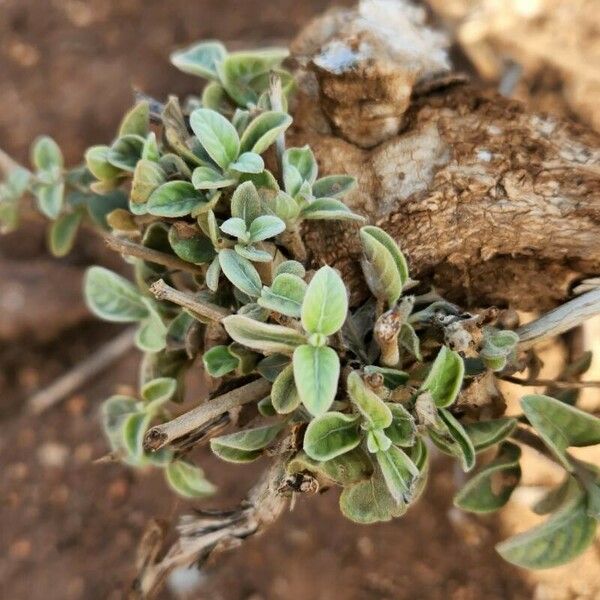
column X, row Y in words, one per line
column 69, row 528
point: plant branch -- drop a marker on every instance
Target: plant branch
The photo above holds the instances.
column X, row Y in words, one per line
column 561, row 319
column 81, row 373
column 148, row 254
column 206, row 534
column 206, row 310
column 552, row 383
column 161, row 435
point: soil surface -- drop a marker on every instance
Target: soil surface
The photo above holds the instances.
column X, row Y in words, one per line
column 68, row 527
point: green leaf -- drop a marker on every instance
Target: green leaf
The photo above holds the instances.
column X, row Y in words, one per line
column 207, row 178
column 133, row 430
column 445, row 377
column 265, row 407
column 262, row 337
column 212, row 274
column 114, row 411
column 46, row 155
column 369, row 404
column 285, row 296
column 111, row 297
column 238, row 71
column 331, row 435
column 285, row 207
column 217, row 135
column 189, row 244
column 96, row 159
column 370, row 501
column 157, row 392
column 333, row 186
column 491, row 488
column 253, row 254
column 402, row 430
column 62, row 233
column 174, row 199
column 558, row 540
column 219, row 361
column 150, row 151
column 380, row 269
column 485, row 434
column 560, row 425
column 399, row 472
column 125, row 152
column 316, row 372
column 248, row 162
column 271, row 366
column 299, row 165
column 451, row 438
column 245, row 203
column 240, row 272
column 293, row 267
column 200, row 59
column 147, row 177
column 377, row 441
column 235, row 227
column 348, row 468
column 409, row 341
column 188, row 480
column 284, row 395
column 383, row 238
column 263, row 131
column 136, row 121
column 325, row 303
column 265, row 227
column 329, row 209
column 246, row 445
column 152, row 333
column 50, row 198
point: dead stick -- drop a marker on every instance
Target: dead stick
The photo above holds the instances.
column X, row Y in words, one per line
column 163, row 291
column 561, row 319
column 84, row 371
column 136, row 250
column 551, row 383
column 160, row 435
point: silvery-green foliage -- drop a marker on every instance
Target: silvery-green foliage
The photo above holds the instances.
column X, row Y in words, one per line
column 191, row 184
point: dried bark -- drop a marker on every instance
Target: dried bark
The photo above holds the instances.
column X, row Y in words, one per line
column 490, row 203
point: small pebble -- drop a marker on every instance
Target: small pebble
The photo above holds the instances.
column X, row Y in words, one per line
column 53, row 454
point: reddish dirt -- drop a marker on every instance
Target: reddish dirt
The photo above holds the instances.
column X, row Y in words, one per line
column 68, row 528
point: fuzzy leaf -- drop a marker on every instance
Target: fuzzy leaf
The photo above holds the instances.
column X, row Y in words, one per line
column 392, row 378
column 558, row 540
column 329, row 209
column 491, row 488
column 96, row 159
column 136, row 121
column 150, row 151
column 248, row 162
column 380, row 269
column 333, row 186
column 245, row 203
column 151, row 336
column 369, row 502
column 235, row 227
column 46, row 155
column 189, row 244
column 409, row 341
column 299, row 165
column 325, row 303
column 217, row 135
column 253, row 254
column 188, row 480
column 331, row 435
column 50, row 198
column 485, row 434
column 157, row 392
column 263, row 131
column 111, row 297
column 262, row 337
column 284, row 395
column 316, row 372
column 219, row 361
column 402, row 429
column 62, row 233
column 147, row 177
column 377, row 441
column 200, row 59
column 369, row 404
column 240, row 272
column 246, row 445
column 383, row 238
column 125, row 152
column 399, row 472
column 348, row 468
column 445, row 377
column 285, row 296
column 452, row 439
column 285, row 207
column 207, row 178
column 271, row 366
column 293, row 267
column 265, row 227
column 174, row 199
column 133, row 430
column 560, row 425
